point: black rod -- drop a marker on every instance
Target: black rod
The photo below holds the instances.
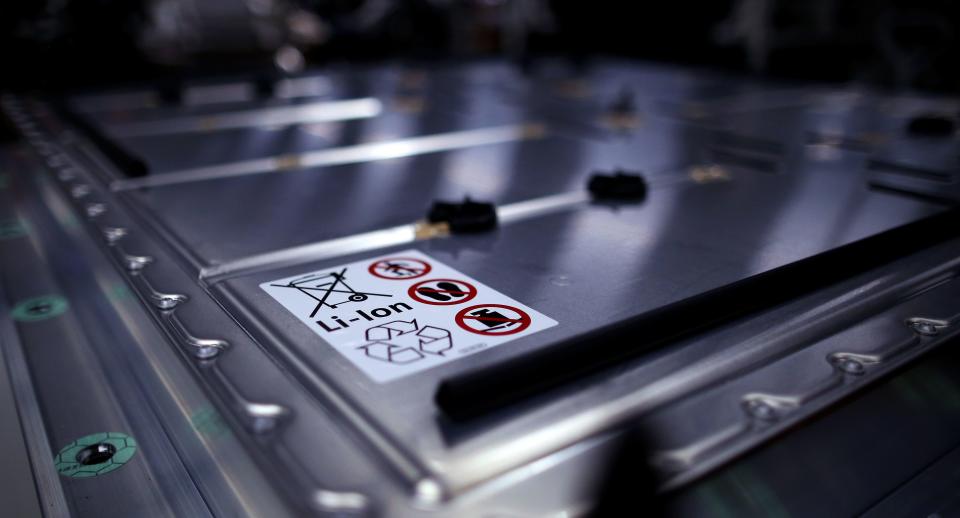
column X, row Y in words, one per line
column 481, row 391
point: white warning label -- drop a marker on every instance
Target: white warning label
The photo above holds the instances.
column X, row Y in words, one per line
column 396, row 315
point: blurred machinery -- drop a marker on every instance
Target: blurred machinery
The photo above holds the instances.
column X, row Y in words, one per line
column 54, row 44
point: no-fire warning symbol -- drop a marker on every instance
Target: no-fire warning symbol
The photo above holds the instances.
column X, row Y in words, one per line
column 493, row 319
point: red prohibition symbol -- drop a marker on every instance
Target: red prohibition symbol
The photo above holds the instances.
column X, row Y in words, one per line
column 442, row 292
column 493, row 319
column 399, row 268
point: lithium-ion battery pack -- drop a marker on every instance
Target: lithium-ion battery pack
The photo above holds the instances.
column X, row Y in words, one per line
column 445, row 291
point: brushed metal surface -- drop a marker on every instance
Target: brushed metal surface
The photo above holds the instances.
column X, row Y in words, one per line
column 745, row 177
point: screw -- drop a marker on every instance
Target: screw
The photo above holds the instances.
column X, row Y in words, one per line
column 925, row 328
column 96, row 454
column 206, row 352
column 851, row 366
column 136, row 263
column 95, row 209
column 168, row 301
column 80, row 191
column 114, row 234
column 761, row 410
column 428, row 491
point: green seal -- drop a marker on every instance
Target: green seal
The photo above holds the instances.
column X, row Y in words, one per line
column 119, row 292
column 95, row 454
column 208, row 422
column 70, row 221
column 39, row 308
column 12, row 228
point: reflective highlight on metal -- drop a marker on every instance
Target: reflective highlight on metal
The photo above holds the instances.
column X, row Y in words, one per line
column 403, row 234
column 200, row 348
column 345, row 155
column 136, row 263
column 325, row 111
column 540, row 206
column 314, row 251
column 339, row 502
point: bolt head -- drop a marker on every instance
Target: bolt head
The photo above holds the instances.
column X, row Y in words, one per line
column 761, row 410
column 851, row 366
column 925, row 328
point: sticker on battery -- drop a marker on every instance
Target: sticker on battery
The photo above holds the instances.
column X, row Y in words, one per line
column 403, row 313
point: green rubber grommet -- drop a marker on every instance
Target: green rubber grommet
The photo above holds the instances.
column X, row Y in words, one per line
column 39, row 308
column 95, row 454
column 208, row 422
column 119, row 292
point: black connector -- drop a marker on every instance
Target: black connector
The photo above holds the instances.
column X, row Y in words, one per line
column 264, row 85
column 466, row 217
column 619, row 186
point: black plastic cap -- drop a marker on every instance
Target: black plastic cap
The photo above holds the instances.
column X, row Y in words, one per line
column 466, row 217
column 170, row 92
column 264, row 86
column 619, row 186
column 931, row 125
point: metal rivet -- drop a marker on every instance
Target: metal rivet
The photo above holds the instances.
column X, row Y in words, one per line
column 95, row 209
column 264, row 416
column 428, row 491
column 761, row 410
column 206, row 352
column 114, row 234
column 79, row 191
column 925, row 328
column 167, row 300
column 136, row 263
column 851, row 366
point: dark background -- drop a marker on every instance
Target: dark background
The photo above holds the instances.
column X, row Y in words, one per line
column 63, row 44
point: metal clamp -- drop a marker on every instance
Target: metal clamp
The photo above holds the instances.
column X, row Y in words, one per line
column 135, row 263
column 200, row 348
column 162, row 301
column 764, row 408
column 261, row 417
column 927, row 326
column 94, row 210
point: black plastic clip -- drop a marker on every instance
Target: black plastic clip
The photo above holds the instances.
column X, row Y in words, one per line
column 466, row 217
column 619, row 186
